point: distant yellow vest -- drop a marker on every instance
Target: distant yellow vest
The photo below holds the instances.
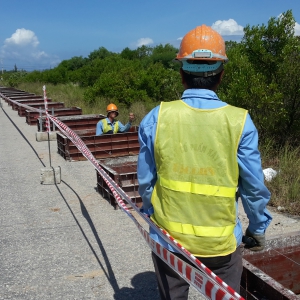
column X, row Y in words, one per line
column 197, row 176
column 108, row 128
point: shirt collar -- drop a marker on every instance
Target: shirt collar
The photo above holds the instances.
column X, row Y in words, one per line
column 109, row 122
column 200, row 93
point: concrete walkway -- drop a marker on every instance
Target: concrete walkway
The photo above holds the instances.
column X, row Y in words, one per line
column 63, row 241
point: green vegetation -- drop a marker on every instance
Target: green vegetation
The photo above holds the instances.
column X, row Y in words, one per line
column 262, row 76
column 285, row 187
column 73, row 95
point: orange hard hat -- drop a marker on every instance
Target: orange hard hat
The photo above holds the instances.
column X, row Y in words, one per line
column 196, row 41
column 112, row 107
column 202, row 44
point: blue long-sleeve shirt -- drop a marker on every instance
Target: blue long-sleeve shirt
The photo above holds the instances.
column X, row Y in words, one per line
column 122, row 128
column 252, row 189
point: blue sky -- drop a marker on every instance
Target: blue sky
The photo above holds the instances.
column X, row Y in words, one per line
column 38, row 34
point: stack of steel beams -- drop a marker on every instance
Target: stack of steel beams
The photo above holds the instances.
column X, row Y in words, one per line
column 123, row 170
column 104, row 146
column 273, row 273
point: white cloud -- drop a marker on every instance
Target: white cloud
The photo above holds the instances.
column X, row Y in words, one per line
column 228, row 27
column 39, row 55
column 22, row 37
column 143, row 42
column 297, row 29
column 22, row 49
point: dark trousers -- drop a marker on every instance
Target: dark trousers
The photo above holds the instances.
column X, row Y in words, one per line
column 173, row 287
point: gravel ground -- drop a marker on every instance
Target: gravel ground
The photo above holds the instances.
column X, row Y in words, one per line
column 65, row 241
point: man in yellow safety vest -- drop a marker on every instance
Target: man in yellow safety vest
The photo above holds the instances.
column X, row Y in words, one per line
column 194, row 154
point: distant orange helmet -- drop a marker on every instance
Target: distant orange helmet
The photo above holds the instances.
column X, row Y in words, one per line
column 111, row 107
column 202, row 52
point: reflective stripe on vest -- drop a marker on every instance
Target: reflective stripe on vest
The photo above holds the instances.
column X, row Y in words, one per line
column 196, row 188
column 196, row 162
column 107, row 128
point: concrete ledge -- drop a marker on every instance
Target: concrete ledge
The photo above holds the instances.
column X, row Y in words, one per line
column 50, row 175
column 43, row 136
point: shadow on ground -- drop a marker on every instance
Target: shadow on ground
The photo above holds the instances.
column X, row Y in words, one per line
column 144, row 288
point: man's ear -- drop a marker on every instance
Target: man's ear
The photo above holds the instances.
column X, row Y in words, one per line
column 221, row 76
column 182, row 78
column 220, row 80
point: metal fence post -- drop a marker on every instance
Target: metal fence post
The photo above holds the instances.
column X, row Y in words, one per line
column 41, row 121
column 53, row 115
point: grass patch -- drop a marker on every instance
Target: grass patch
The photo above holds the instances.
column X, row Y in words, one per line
column 285, row 187
column 72, row 95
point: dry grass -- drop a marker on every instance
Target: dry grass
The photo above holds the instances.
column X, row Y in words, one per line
column 285, row 188
column 72, row 95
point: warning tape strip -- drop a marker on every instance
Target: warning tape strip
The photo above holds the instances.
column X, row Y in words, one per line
column 46, row 110
column 203, row 280
column 193, row 276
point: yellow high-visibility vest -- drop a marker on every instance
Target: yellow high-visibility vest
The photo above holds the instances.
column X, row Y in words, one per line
column 197, row 175
column 107, row 128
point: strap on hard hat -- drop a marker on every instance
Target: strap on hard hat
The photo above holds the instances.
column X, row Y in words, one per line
column 205, row 54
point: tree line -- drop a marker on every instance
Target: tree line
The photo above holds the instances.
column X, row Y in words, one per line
column 262, row 76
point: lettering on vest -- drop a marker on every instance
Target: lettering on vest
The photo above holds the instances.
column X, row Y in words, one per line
column 203, row 149
column 194, row 147
column 200, row 148
column 179, row 168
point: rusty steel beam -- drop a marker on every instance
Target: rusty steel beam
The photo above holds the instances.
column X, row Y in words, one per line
column 81, row 122
column 12, row 91
column 24, row 97
column 273, row 273
column 22, row 110
column 16, row 94
column 104, row 146
column 15, row 105
column 123, row 170
column 6, row 96
column 32, row 116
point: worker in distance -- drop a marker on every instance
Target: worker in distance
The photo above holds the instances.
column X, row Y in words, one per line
column 110, row 125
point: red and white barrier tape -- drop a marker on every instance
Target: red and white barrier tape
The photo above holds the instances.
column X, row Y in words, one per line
column 203, row 280
column 46, row 110
column 196, row 278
